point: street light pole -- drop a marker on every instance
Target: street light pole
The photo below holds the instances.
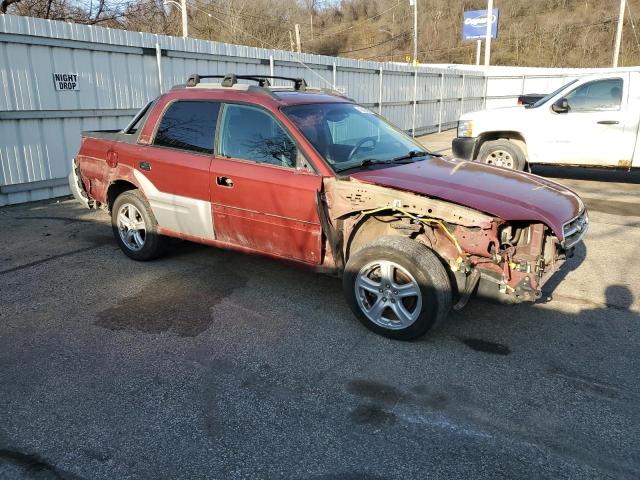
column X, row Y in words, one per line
column 183, row 10
column 487, row 37
column 616, row 50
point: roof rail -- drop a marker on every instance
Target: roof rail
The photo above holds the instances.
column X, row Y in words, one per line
column 230, row 79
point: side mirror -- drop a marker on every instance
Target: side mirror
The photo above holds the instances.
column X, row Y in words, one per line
column 560, row 106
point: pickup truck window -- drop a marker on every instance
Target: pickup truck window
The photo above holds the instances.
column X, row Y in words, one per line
column 597, row 95
column 250, row 133
column 188, row 125
column 548, row 97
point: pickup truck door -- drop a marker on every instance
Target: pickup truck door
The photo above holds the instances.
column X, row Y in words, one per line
column 261, row 198
column 173, row 168
column 595, row 130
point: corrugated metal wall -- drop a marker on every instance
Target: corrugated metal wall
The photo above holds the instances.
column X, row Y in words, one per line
column 118, row 72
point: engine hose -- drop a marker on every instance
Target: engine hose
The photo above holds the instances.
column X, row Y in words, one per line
column 427, row 221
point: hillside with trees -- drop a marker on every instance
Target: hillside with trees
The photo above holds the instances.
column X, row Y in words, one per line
column 568, row 33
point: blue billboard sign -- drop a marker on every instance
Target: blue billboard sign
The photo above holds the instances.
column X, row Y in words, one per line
column 474, row 26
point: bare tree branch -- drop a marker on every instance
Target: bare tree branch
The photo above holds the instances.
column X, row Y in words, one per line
column 4, row 5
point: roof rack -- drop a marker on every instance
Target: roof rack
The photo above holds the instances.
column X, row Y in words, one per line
column 230, row 79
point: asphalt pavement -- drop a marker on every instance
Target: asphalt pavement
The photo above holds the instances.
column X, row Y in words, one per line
column 213, row 364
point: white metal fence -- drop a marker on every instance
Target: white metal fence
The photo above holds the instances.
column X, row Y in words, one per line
column 118, row 71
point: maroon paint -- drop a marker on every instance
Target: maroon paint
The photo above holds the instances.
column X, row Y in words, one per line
column 508, row 194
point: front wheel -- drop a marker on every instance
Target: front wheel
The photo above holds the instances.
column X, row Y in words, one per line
column 135, row 227
column 502, row 153
column 397, row 287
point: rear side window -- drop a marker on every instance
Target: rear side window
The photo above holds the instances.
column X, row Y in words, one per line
column 189, row 125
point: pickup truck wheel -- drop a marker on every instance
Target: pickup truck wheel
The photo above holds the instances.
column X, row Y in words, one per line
column 135, row 227
column 502, row 153
column 397, row 287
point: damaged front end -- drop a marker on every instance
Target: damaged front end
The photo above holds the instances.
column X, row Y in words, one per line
column 508, row 261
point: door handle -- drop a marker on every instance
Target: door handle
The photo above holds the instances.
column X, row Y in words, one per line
column 145, row 166
column 608, row 122
column 224, row 182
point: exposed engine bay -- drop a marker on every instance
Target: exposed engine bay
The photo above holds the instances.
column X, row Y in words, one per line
column 507, row 261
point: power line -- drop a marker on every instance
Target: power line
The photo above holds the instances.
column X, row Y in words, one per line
column 633, row 25
column 376, row 45
column 357, row 23
column 263, row 42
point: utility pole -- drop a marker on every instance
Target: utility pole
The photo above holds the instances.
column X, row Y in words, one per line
column 298, row 38
column 185, row 27
column 183, row 12
column 291, row 41
column 478, row 48
column 415, row 30
column 616, row 50
column 487, row 36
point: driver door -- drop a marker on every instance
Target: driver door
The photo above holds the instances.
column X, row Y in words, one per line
column 262, row 197
column 592, row 131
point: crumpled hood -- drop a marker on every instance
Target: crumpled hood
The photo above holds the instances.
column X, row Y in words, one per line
column 508, row 194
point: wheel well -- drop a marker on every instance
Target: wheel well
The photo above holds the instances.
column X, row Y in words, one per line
column 515, row 137
column 116, row 188
column 368, row 229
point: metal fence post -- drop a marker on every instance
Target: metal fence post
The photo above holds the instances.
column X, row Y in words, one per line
column 415, row 100
column 159, row 63
column 462, row 97
column 486, row 86
column 380, row 94
column 522, row 89
column 271, row 66
column 335, row 74
column 441, row 102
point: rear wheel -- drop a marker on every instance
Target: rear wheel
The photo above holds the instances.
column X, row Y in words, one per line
column 502, row 153
column 397, row 287
column 135, row 227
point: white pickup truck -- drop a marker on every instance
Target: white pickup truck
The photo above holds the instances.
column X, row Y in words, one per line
column 590, row 121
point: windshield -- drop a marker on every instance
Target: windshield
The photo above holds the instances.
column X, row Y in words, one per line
column 552, row 94
column 350, row 136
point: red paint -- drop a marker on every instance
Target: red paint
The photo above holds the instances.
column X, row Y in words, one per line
column 268, row 208
column 508, row 194
column 272, row 210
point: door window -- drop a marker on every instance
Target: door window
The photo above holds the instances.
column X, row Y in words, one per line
column 189, row 125
column 597, row 95
column 250, row 133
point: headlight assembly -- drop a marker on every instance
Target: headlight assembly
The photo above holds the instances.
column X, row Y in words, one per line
column 465, row 128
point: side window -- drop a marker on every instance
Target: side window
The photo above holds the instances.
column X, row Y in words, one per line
column 189, row 125
column 250, row 133
column 597, row 95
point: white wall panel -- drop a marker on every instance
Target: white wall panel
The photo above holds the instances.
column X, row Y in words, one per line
column 40, row 127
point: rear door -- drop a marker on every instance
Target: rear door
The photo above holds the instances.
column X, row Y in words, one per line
column 262, row 197
column 173, row 170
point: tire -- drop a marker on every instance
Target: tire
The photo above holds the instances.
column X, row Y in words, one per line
column 130, row 210
column 414, row 268
column 502, row 153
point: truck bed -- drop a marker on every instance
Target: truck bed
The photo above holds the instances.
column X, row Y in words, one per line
column 111, row 135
